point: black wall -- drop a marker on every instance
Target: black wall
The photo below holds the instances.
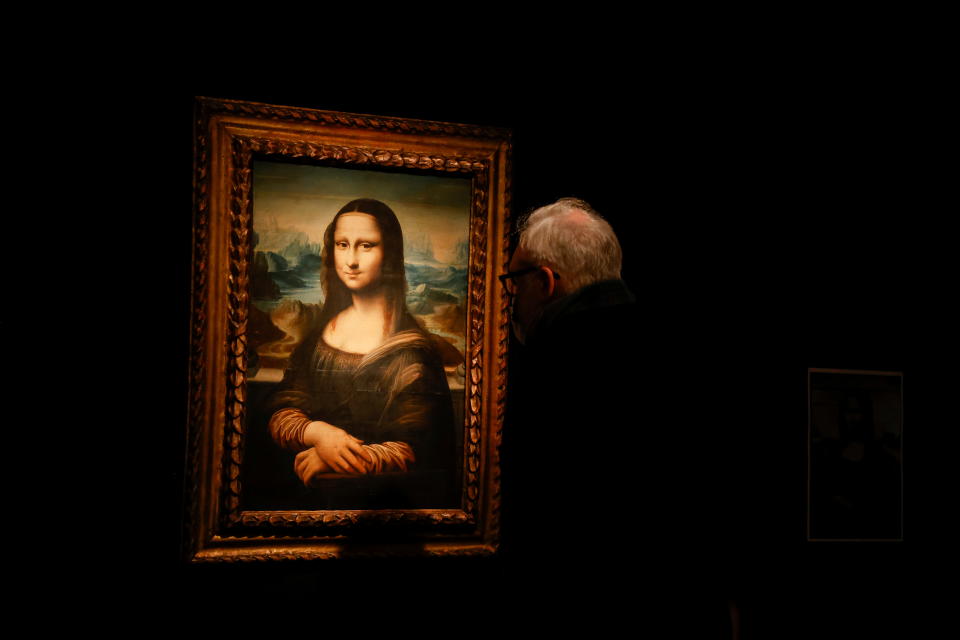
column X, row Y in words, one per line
column 770, row 221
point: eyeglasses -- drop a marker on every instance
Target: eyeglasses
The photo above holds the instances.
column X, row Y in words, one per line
column 508, row 279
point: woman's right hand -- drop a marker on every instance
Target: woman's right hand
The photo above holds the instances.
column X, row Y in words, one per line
column 336, row 448
column 308, row 466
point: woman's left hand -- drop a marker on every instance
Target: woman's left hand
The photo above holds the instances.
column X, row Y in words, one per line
column 337, row 449
column 310, row 468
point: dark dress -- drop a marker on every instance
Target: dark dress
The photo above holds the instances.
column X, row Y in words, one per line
column 396, row 393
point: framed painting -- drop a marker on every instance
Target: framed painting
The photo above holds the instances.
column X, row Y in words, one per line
column 349, row 335
column 855, row 455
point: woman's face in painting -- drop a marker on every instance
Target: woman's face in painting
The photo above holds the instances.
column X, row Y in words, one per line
column 358, row 251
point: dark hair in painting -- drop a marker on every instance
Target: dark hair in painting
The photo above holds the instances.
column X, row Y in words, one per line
column 393, row 277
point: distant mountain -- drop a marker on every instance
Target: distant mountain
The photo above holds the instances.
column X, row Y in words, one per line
column 433, row 295
column 284, row 259
column 422, row 299
column 449, row 278
column 418, row 247
column 279, row 239
column 275, row 261
column 289, row 244
column 309, row 264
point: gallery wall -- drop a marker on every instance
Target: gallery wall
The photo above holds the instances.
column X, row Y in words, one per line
column 767, row 227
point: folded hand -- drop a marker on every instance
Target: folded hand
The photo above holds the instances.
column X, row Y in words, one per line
column 336, row 449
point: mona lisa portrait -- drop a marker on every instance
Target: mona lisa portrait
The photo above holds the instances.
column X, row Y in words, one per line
column 349, row 335
column 352, row 396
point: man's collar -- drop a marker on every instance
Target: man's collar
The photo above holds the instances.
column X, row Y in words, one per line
column 607, row 293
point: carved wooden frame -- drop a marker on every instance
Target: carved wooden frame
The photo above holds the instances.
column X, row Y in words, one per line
column 227, row 136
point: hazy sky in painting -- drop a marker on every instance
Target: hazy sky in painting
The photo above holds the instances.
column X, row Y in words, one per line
column 305, row 198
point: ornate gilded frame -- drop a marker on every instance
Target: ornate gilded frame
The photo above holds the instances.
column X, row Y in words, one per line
column 228, row 135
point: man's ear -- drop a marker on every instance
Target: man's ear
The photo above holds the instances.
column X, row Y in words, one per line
column 547, row 280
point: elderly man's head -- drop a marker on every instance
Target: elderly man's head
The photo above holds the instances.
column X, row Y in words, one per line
column 563, row 247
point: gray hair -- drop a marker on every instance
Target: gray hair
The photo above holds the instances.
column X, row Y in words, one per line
column 574, row 240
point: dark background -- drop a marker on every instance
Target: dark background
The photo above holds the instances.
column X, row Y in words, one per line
column 774, row 216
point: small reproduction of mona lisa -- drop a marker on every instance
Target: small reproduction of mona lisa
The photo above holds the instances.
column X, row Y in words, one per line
column 356, row 334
